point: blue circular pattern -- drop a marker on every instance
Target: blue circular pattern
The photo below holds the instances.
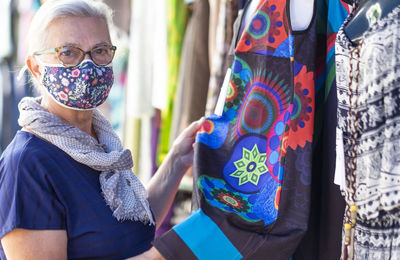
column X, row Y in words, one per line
column 279, row 128
column 302, row 124
column 273, row 157
column 274, row 142
column 247, row 42
column 259, row 114
column 309, row 109
column 305, row 92
column 251, row 166
column 279, row 24
column 259, row 26
column 286, row 117
column 237, row 67
column 275, row 170
column 273, row 7
column 296, row 106
column 271, row 39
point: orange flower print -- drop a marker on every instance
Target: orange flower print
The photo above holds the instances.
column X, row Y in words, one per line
column 94, row 82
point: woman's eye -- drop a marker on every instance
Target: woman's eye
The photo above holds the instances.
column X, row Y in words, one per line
column 66, row 53
column 99, row 51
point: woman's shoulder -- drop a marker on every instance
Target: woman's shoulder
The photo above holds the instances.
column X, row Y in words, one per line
column 26, row 185
column 26, row 144
column 27, row 150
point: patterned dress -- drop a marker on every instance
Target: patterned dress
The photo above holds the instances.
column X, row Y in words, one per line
column 375, row 99
column 252, row 165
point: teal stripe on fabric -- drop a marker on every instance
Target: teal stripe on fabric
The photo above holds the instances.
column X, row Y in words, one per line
column 205, row 239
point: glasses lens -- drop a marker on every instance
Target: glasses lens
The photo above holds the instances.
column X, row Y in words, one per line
column 70, row 56
column 103, row 55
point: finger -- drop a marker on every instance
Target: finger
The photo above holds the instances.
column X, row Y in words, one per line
column 194, row 127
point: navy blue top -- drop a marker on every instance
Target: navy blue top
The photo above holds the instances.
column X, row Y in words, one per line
column 43, row 188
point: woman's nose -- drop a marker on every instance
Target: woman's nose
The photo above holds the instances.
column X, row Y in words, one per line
column 87, row 56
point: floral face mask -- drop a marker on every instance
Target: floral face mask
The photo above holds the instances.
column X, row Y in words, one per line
column 83, row 87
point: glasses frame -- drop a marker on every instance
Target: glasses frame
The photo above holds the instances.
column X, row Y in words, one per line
column 57, row 50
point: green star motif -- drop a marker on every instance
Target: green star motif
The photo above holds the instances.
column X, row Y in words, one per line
column 250, row 167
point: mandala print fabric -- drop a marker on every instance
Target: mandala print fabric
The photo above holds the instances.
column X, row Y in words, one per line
column 377, row 171
column 252, row 167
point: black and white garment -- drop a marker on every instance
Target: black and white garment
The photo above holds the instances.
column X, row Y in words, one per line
column 377, row 184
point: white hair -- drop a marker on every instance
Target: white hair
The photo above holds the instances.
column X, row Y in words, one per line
column 56, row 9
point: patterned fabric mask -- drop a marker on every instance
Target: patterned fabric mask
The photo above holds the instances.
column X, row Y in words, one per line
column 83, row 87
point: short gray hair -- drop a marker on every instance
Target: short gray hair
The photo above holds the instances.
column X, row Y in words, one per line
column 55, row 9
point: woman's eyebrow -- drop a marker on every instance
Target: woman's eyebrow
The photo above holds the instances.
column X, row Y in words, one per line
column 102, row 43
column 71, row 44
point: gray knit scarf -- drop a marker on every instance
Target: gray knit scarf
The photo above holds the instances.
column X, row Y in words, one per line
column 122, row 190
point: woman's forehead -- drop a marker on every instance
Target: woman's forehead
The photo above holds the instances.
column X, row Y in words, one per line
column 78, row 31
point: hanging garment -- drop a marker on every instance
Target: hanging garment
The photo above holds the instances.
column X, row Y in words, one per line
column 147, row 62
column 242, row 3
column 122, row 10
column 232, row 11
column 324, row 233
column 6, row 48
column 26, row 10
column 252, row 165
column 212, row 30
column 177, row 17
column 194, row 71
column 218, row 53
column 147, row 76
column 368, row 113
column 222, row 31
column 139, row 78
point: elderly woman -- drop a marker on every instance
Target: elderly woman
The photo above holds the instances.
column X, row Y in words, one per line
column 66, row 185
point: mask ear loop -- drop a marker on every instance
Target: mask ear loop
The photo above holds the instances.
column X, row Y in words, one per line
column 22, row 72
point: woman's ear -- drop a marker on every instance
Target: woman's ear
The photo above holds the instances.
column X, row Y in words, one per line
column 34, row 67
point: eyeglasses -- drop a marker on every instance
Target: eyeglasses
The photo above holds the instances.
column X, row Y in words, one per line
column 71, row 56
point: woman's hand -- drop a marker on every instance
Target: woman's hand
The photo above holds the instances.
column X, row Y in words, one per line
column 182, row 148
column 164, row 184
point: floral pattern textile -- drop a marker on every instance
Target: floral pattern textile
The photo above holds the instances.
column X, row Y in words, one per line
column 83, row 87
